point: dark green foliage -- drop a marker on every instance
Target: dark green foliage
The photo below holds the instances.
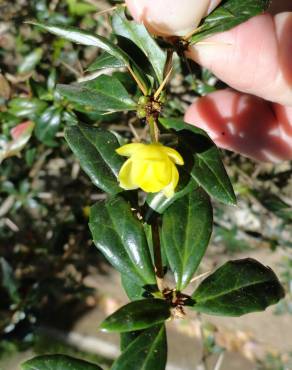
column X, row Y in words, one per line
column 237, row 288
column 186, row 230
column 103, row 94
column 202, row 160
column 95, row 149
column 58, row 362
column 119, row 235
column 148, row 351
column 137, row 315
column 230, row 14
column 138, row 34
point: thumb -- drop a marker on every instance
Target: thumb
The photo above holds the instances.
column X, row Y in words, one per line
column 254, row 57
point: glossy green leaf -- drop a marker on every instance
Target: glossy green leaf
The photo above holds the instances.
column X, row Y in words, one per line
column 58, row 362
column 237, row 288
column 25, row 107
column 203, row 160
column 133, row 290
column 30, row 61
column 105, row 61
column 147, row 352
column 127, row 338
column 159, row 202
column 186, row 231
column 104, row 94
column 137, row 315
column 140, row 36
column 48, row 124
column 85, row 38
column 95, row 149
column 119, row 235
column 228, row 15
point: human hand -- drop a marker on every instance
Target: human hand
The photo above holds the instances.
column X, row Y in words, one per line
column 255, row 58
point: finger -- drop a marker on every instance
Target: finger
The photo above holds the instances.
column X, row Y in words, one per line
column 245, row 124
column 170, row 17
column 254, row 57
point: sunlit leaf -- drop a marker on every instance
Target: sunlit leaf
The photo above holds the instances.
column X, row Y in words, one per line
column 237, row 288
column 119, row 235
column 202, row 160
column 230, row 14
column 186, row 231
column 140, row 36
column 137, row 315
column 148, row 351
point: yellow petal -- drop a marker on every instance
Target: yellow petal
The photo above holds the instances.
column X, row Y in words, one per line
column 153, row 152
column 168, row 191
column 163, row 171
column 149, row 182
column 126, row 177
column 173, row 155
column 129, row 149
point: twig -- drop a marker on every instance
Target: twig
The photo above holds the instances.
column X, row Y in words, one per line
column 164, row 82
column 200, row 276
column 157, row 253
column 7, row 205
column 219, row 361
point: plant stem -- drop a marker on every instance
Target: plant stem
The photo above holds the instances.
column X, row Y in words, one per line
column 154, row 133
column 157, row 254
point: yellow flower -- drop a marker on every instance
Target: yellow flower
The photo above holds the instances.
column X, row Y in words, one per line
column 150, row 167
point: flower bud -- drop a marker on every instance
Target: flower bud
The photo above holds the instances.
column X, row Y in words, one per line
column 143, row 100
column 141, row 113
column 170, row 17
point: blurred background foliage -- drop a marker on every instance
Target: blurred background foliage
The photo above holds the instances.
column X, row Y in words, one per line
column 45, row 247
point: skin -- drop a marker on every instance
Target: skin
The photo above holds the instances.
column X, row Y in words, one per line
column 171, row 17
column 255, row 58
column 253, row 118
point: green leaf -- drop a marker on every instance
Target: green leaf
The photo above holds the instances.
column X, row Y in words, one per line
column 140, row 36
column 159, row 202
column 30, row 61
column 230, row 14
column 148, row 352
column 104, row 94
column 119, row 235
column 186, row 231
column 105, row 61
column 134, row 291
column 48, row 124
column 95, row 149
column 237, row 288
column 9, row 281
column 80, row 8
column 203, row 160
column 137, row 315
column 25, row 107
column 275, row 205
column 58, row 362
column 127, row 338
column 85, row 38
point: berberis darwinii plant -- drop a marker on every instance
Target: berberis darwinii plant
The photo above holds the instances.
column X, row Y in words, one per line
column 177, row 166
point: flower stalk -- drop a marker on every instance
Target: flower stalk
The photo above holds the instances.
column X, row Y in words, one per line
column 157, row 254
